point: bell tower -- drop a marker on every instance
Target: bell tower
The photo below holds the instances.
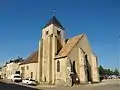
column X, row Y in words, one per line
column 51, row 43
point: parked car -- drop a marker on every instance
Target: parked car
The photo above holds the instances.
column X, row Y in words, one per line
column 119, row 77
column 16, row 78
column 29, row 81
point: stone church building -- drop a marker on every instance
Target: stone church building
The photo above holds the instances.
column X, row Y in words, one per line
column 58, row 57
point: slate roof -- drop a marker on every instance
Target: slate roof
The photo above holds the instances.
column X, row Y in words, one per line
column 33, row 58
column 69, row 46
column 54, row 21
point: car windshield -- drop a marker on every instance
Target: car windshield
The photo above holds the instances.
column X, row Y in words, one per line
column 16, row 76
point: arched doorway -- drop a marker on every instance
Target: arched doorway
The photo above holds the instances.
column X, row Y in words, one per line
column 74, row 75
column 88, row 68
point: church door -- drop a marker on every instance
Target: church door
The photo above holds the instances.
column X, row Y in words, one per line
column 88, row 68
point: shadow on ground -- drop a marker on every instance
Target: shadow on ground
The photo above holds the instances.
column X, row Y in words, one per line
column 9, row 86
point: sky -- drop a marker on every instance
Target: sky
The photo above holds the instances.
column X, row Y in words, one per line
column 21, row 23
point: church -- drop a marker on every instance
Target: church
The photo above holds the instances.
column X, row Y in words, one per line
column 59, row 57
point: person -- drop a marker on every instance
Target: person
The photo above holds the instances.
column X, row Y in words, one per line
column 72, row 78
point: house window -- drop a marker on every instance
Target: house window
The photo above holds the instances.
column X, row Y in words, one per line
column 31, row 74
column 58, row 66
column 27, row 67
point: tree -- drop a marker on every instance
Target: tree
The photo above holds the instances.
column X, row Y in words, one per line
column 109, row 72
column 101, row 70
column 19, row 59
column 6, row 63
column 11, row 61
column 116, row 72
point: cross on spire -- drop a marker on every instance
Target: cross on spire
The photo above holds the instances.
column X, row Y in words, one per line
column 53, row 12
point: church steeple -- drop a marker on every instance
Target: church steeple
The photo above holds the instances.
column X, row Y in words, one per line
column 54, row 21
column 52, row 41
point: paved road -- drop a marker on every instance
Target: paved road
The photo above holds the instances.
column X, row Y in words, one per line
column 105, row 85
column 11, row 86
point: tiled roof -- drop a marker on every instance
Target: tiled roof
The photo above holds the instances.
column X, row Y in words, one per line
column 54, row 21
column 33, row 58
column 69, row 46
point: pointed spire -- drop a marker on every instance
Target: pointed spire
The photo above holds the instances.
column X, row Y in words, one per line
column 54, row 21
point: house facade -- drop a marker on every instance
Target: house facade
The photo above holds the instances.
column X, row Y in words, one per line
column 12, row 68
column 0, row 73
column 9, row 69
column 28, row 67
column 3, row 72
column 59, row 57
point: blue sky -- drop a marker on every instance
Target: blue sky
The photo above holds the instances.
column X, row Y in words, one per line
column 21, row 22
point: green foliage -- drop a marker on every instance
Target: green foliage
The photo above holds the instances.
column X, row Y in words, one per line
column 19, row 59
column 103, row 71
column 116, row 72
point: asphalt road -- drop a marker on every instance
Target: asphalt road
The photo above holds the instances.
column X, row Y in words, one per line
column 11, row 86
column 105, row 85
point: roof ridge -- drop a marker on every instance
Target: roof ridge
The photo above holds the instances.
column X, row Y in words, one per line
column 70, row 45
column 81, row 35
column 30, row 57
column 77, row 35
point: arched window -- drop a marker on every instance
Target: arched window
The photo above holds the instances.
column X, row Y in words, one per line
column 58, row 66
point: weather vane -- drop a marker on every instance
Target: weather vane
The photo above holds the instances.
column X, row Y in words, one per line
column 53, row 12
